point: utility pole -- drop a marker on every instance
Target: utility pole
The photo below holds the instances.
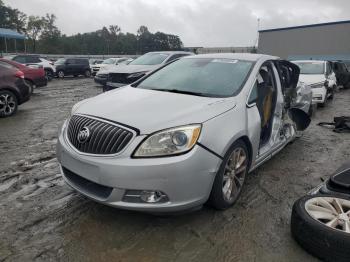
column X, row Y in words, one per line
column 257, row 33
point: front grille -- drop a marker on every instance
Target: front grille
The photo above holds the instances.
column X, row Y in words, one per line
column 87, row 186
column 100, row 138
column 120, row 78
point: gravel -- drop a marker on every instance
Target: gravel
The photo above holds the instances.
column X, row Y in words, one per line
column 42, row 219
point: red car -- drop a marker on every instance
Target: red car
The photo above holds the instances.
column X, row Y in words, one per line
column 33, row 76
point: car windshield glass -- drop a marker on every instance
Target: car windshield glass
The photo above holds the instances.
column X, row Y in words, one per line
column 309, row 68
column 108, row 61
column 60, row 61
column 150, row 59
column 202, row 76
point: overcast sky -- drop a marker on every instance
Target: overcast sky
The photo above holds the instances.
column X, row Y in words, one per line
column 197, row 22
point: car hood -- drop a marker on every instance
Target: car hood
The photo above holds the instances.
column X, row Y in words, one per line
column 150, row 110
column 129, row 69
column 312, row 79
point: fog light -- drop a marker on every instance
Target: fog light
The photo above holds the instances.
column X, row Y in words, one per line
column 152, row 196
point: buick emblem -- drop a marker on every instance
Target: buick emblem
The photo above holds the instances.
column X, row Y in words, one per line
column 83, row 135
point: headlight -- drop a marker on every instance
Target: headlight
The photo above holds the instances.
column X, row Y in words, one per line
column 169, row 142
column 135, row 75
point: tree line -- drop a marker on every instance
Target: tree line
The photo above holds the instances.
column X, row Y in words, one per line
column 43, row 36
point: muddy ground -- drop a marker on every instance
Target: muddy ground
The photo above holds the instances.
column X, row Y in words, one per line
column 42, row 219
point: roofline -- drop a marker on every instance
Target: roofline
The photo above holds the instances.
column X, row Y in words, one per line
column 304, row 26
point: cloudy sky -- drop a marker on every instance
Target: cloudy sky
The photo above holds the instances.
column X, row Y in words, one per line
column 197, row 22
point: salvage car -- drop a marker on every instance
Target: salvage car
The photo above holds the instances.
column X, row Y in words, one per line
column 320, row 77
column 13, row 89
column 34, row 76
column 127, row 74
column 184, row 135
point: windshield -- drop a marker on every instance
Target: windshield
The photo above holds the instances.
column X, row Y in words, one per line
column 202, row 76
column 109, row 61
column 60, row 61
column 150, row 59
column 311, row 68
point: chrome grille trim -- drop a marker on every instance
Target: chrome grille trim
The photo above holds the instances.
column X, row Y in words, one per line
column 106, row 138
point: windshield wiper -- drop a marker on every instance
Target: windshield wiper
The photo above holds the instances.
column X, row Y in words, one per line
column 181, row 92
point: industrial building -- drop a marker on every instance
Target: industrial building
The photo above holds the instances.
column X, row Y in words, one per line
column 328, row 41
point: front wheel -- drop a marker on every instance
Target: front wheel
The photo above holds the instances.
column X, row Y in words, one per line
column 230, row 178
column 8, row 103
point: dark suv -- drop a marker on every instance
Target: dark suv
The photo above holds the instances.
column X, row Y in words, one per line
column 72, row 66
column 13, row 89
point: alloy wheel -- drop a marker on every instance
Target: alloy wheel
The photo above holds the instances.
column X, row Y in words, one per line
column 331, row 211
column 234, row 174
column 7, row 104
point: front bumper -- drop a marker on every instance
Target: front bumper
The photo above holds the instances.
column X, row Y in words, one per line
column 319, row 95
column 186, row 179
column 100, row 80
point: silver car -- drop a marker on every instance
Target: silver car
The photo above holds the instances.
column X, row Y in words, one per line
column 182, row 136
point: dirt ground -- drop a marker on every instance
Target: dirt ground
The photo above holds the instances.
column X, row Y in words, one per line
column 42, row 219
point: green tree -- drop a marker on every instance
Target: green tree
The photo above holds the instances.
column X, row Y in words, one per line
column 34, row 27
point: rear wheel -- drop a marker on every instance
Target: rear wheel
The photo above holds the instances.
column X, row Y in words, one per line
column 60, row 74
column 49, row 74
column 8, row 103
column 230, row 178
column 87, row 73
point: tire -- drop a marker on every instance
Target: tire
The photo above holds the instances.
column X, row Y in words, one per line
column 49, row 74
column 87, row 73
column 8, row 103
column 229, row 181
column 31, row 86
column 332, row 93
column 316, row 237
column 60, row 74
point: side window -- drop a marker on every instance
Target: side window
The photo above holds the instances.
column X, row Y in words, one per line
column 253, row 97
column 70, row 61
column 32, row 59
column 328, row 69
column 20, row 59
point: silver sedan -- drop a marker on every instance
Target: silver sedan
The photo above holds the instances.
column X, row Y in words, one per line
column 182, row 136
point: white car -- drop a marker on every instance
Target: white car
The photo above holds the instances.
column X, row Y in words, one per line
column 106, row 63
column 320, row 77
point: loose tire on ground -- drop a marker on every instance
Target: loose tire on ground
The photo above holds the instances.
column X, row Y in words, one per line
column 218, row 198
column 320, row 240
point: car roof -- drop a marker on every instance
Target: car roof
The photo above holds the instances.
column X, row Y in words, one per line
column 309, row 61
column 238, row 56
column 170, row 52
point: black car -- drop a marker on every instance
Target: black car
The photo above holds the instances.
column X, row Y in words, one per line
column 72, row 66
column 341, row 73
column 13, row 89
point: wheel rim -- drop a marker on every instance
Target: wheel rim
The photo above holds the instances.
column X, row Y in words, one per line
column 234, row 174
column 60, row 74
column 87, row 73
column 7, row 104
column 330, row 211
